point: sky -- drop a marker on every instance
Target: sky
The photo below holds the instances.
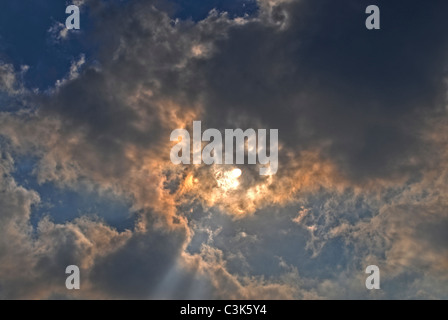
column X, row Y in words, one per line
column 86, row 177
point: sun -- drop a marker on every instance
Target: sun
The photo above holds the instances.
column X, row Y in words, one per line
column 228, row 180
column 236, row 173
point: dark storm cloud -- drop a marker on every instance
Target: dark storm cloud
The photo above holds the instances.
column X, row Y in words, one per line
column 327, row 82
column 309, row 68
column 125, row 98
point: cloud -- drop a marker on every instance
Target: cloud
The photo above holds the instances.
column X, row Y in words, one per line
column 82, row 134
column 34, row 261
column 58, row 32
column 332, row 92
column 10, row 79
column 362, row 124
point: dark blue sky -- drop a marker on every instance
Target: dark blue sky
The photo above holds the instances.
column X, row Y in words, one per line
column 25, row 40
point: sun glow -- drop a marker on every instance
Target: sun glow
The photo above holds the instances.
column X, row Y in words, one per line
column 228, row 180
